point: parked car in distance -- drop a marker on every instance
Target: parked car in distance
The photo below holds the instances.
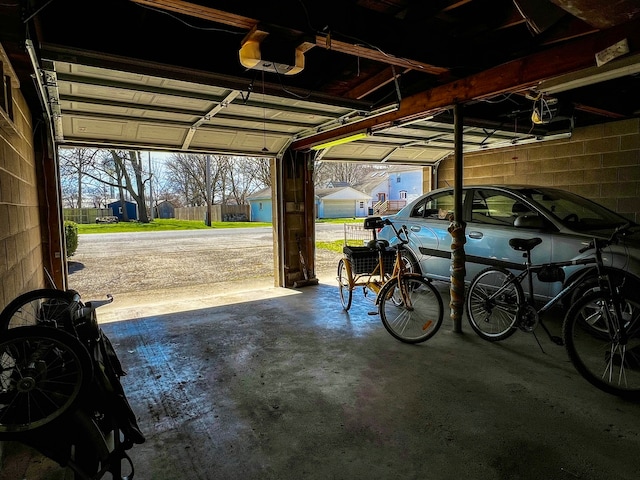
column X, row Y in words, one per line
column 564, row 221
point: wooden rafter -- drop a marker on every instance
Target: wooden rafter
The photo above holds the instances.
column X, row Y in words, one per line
column 219, row 16
column 513, row 76
column 375, row 82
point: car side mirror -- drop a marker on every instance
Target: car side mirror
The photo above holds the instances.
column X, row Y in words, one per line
column 529, row 221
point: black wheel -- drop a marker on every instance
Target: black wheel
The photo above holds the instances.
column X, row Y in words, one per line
column 597, row 348
column 410, row 309
column 493, row 303
column 46, row 306
column 346, row 294
column 43, row 373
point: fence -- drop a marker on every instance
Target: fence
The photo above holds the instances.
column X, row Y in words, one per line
column 219, row 213
column 356, row 235
column 84, row 215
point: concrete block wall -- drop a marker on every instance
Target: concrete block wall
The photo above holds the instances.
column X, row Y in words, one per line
column 601, row 162
column 21, row 253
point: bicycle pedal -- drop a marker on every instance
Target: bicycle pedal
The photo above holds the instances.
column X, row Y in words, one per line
column 373, row 312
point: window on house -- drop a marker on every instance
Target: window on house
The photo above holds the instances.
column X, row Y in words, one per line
column 260, row 206
column 403, row 194
column 398, row 178
column 361, row 204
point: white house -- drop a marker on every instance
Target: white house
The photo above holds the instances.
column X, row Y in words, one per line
column 342, row 202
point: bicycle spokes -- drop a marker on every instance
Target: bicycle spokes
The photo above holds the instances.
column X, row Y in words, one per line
column 603, row 343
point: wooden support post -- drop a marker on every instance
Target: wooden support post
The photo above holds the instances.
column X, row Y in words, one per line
column 457, row 229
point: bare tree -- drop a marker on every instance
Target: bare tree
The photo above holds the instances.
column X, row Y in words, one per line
column 232, row 178
column 75, row 164
column 349, row 172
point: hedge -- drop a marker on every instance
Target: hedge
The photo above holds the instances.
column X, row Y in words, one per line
column 71, row 235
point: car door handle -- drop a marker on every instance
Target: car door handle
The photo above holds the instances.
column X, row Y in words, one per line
column 475, row 234
column 413, row 228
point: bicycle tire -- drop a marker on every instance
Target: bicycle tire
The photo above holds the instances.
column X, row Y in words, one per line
column 44, row 372
column 346, row 294
column 494, row 319
column 37, row 307
column 590, row 333
column 417, row 324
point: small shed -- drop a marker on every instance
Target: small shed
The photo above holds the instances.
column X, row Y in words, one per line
column 260, row 206
column 165, row 209
column 116, row 208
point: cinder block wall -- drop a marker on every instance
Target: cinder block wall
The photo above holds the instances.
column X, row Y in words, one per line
column 600, row 162
column 21, row 253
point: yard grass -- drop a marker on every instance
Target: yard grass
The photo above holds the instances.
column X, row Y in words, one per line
column 158, row 225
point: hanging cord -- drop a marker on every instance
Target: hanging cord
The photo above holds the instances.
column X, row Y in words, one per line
column 264, row 120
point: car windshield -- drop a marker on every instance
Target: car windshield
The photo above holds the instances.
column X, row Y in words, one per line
column 573, row 211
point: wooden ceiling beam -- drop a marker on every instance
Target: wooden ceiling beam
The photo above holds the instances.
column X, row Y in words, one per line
column 513, row 76
column 199, row 11
column 597, row 111
column 329, row 43
column 375, row 82
column 325, row 41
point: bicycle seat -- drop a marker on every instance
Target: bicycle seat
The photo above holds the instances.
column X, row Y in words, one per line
column 378, row 244
column 524, row 244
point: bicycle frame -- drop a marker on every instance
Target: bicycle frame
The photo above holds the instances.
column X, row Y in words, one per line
column 604, row 282
column 530, row 269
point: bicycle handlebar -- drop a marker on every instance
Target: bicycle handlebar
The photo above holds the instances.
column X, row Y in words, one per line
column 598, row 243
column 403, row 230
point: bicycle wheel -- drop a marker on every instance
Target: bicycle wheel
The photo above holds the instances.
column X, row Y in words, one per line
column 493, row 302
column 415, row 320
column 605, row 356
column 43, row 373
column 45, row 306
column 346, row 294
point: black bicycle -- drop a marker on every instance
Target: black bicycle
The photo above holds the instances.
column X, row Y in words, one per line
column 60, row 388
column 601, row 330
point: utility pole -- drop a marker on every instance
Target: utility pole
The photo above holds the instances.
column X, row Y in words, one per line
column 150, row 189
column 207, row 175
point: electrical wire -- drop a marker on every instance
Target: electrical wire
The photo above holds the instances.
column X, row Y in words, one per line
column 207, row 29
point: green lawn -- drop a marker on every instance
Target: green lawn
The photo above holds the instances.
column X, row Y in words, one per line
column 162, row 225
column 173, row 224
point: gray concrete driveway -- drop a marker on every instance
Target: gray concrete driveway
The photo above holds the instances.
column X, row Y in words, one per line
column 133, row 263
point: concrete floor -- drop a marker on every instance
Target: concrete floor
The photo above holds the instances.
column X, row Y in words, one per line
column 283, row 384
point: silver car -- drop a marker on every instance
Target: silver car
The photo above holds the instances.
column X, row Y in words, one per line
column 564, row 221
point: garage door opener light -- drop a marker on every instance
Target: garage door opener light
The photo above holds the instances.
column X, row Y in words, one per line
column 341, row 141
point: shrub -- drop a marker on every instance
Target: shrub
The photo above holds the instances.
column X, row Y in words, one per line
column 71, row 236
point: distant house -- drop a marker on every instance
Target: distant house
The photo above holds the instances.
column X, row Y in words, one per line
column 260, row 206
column 392, row 188
column 164, row 209
column 341, row 202
column 131, row 208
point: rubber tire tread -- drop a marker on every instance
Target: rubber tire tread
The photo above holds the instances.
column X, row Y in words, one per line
column 382, row 296
column 472, row 321
column 345, row 290
column 570, row 323
column 66, row 341
column 9, row 311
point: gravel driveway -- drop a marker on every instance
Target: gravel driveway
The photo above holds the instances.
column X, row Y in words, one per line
column 158, row 261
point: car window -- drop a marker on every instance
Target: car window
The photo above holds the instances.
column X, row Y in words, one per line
column 575, row 212
column 435, row 207
column 496, row 208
